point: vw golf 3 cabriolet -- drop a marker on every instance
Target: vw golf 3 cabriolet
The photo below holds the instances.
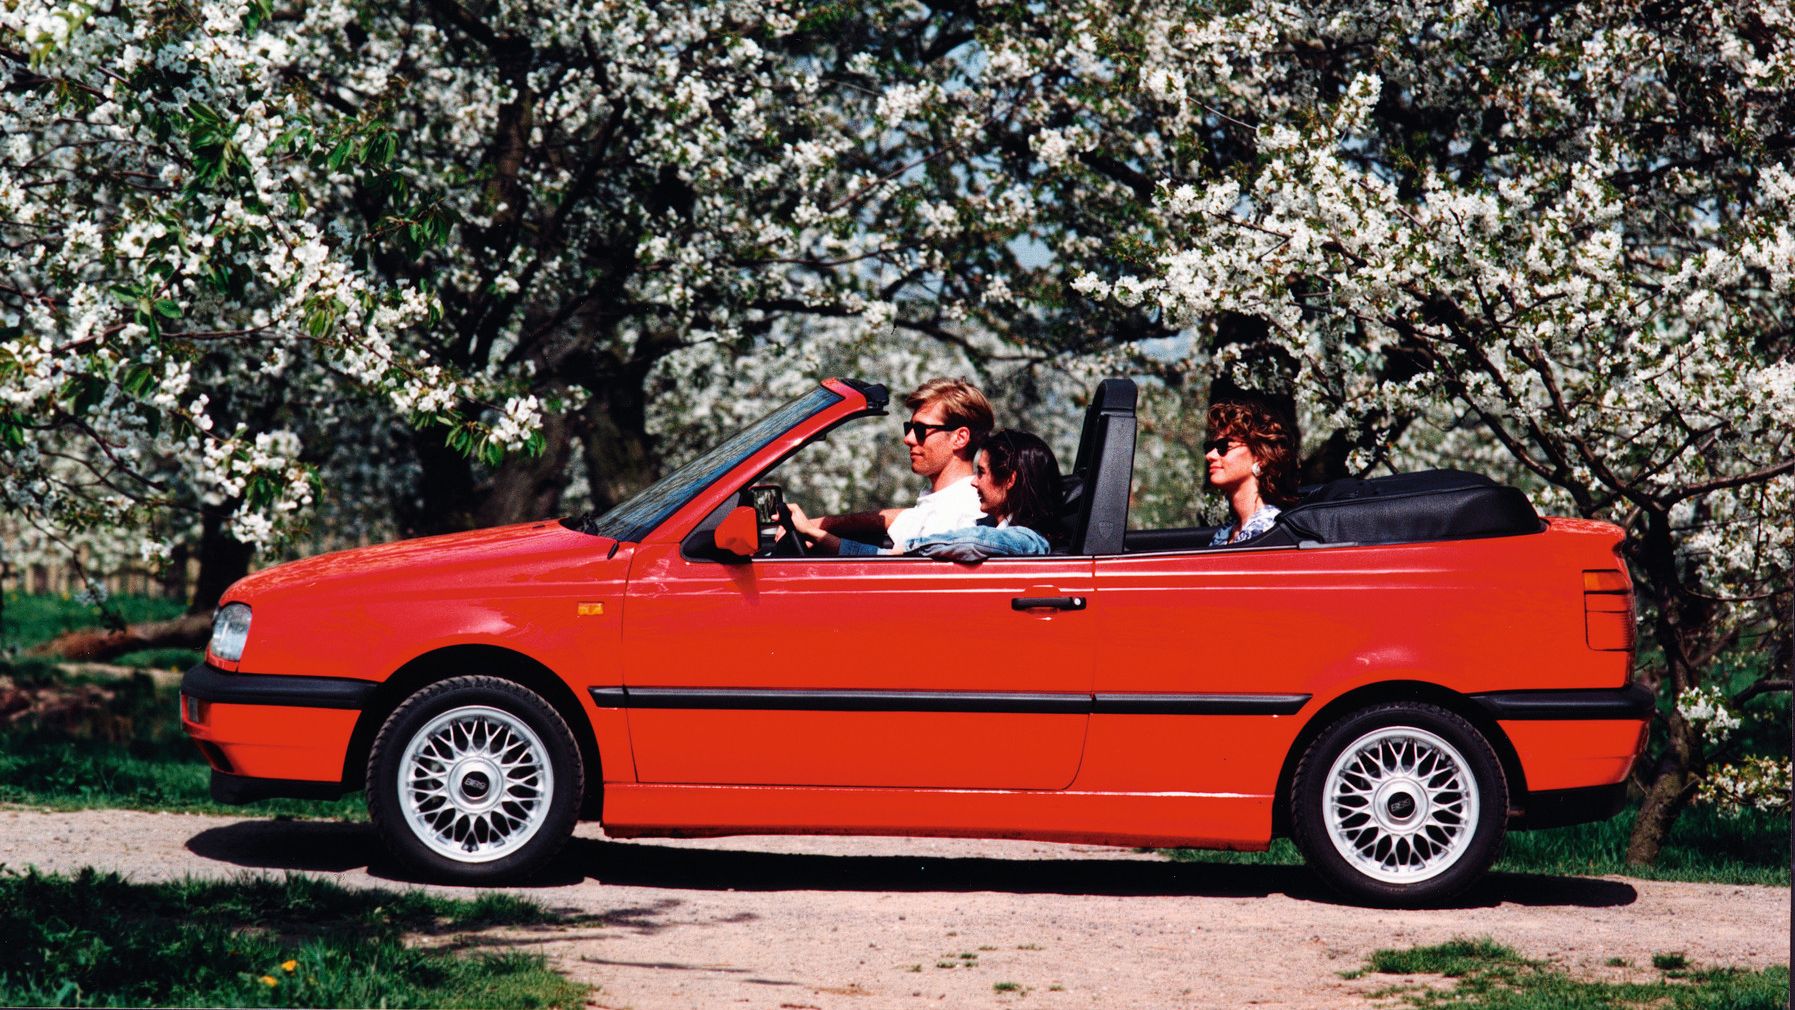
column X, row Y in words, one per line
column 1430, row 665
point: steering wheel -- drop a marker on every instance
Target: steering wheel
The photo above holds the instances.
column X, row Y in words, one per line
column 769, row 505
column 791, row 530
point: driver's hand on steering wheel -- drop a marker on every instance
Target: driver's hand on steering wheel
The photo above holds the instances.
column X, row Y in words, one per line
column 811, row 529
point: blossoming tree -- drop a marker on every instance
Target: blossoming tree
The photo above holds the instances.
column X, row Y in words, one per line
column 250, row 251
column 243, row 242
column 1562, row 231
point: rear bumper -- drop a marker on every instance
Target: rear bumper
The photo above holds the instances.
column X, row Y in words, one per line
column 1576, row 748
column 267, row 735
column 1630, row 702
column 1556, row 808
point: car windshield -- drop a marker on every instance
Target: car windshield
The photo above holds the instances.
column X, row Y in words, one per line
column 637, row 517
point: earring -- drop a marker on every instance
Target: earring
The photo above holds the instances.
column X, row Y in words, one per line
column 1256, row 470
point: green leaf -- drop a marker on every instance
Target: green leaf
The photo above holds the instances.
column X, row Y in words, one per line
column 168, row 308
column 138, row 379
column 84, row 392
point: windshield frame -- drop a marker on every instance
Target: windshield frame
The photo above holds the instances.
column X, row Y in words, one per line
column 642, row 513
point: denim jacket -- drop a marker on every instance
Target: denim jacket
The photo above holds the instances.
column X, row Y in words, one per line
column 976, row 543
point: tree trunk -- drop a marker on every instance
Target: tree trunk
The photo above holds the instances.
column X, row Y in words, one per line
column 529, row 487
column 620, row 457
column 222, row 560
column 1666, row 797
column 173, row 577
column 444, row 499
column 94, row 645
column 1684, row 630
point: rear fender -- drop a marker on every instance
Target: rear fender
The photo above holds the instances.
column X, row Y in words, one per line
column 1388, row 691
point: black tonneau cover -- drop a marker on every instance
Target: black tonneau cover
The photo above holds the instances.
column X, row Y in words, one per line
column 1426, row 505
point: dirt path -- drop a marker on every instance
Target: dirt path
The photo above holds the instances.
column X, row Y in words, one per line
column 832, row 923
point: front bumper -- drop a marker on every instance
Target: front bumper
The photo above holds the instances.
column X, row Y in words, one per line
column 269, row 735
column 208, row 683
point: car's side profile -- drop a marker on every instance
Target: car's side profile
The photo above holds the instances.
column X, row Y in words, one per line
column 1394, row 679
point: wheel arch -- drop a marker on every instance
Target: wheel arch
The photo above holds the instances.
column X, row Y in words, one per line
column 1389, row 691
column 487, row 660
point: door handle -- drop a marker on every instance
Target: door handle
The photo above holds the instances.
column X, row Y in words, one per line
column 1046, row 603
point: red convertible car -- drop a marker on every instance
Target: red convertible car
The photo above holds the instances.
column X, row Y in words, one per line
column 1398, row 672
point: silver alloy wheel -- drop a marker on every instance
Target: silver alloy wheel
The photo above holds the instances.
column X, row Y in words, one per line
column 1400, row 805
column 475, row 784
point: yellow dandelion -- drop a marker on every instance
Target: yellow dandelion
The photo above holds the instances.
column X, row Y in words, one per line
column 270, row 981
column 288, row 966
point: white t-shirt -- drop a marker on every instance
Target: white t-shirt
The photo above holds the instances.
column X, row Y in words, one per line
column 954, row 507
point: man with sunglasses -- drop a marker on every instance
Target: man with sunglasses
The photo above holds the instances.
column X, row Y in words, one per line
column 948, row 420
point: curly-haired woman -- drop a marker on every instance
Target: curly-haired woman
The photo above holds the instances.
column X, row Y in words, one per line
column 1252, row 452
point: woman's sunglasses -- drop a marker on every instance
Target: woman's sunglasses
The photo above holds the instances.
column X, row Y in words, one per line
column 1219, row 446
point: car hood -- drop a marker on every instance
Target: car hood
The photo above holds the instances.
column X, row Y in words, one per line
column 451, row 560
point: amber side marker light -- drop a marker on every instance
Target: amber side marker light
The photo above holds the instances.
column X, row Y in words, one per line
column 592, row 610
column 1607, row 610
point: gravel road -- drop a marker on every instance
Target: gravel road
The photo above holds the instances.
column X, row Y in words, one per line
column 867, row 923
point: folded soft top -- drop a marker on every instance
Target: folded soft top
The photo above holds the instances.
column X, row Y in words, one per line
column 1426, row 505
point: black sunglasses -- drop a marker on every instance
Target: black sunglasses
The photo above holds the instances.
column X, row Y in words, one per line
column 922, row 430
column 1219, row 446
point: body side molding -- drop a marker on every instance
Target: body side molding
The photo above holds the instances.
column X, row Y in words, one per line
column 766, row 699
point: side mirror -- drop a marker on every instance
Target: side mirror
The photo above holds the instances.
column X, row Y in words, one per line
column 739, row 532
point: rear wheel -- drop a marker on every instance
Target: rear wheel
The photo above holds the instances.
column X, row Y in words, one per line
column 1400, row 804
column 475, row 780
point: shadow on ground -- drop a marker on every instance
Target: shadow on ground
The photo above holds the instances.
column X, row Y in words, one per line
column 334, row 847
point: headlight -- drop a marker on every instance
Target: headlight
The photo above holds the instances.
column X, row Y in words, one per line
column 230, row 629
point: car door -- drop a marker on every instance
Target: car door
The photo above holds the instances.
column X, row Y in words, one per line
column 1209, row 658
column 886, row 671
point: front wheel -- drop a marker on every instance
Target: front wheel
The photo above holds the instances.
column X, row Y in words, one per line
column 1400, row 804
column 475, row 780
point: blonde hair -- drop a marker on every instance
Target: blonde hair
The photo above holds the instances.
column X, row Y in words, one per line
column 962, row 406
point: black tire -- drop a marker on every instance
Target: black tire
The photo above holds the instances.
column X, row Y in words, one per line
column 456, row 781
column 1400, row 804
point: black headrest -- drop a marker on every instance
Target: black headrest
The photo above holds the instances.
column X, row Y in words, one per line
column 1115, row 398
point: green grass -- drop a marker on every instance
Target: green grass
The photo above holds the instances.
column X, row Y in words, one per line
column 161, row 659
column 1453, row 959
column 1493, row 977
column 95, row 940
column 31, row 619
column 1705, row 846
column 116, row 743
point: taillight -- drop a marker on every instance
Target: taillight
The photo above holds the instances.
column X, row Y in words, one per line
column 1608, row 610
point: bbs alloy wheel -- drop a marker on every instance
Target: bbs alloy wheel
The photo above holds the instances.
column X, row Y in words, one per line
column 1400, row 804
column 475, row 780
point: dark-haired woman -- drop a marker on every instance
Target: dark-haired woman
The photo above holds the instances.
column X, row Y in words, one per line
column 1252, row 461
column 1018, row 483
